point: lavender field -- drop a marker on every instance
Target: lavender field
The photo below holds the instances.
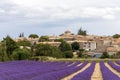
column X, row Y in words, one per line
column 32, row 70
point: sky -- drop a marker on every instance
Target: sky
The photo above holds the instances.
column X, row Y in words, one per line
column 53, row 17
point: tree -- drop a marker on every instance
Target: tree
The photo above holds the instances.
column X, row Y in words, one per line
column 59, row 40
column 64, row 46
column 66, row 49
column 117, row 55
column 33, row 36
column 75, row 46
column 21, row 35
column 116, row 36
column 105, row 55
column 24, row 43
column 82, row 32
column 42, row 49
column 43, row 39
column 80, row 53
column 10, row 45
column 68, row 54
column 56, row 52
column 21, row 54
column 3, row 53
column 47, row 50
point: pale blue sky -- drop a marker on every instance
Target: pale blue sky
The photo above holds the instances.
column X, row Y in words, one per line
column 48, row 17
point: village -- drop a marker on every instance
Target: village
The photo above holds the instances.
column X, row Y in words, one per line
column 95, row 45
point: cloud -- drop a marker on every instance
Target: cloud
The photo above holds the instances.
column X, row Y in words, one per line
column 58, row 14
column 2, row 11
column 60, row 10
column 109, row 17
column 55, row 10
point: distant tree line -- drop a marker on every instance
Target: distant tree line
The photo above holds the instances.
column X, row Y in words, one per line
column 116, row 36
column 11, row 50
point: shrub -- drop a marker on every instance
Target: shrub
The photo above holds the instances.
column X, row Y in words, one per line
column 68, row 54
column 21, row 54
column 105, row 55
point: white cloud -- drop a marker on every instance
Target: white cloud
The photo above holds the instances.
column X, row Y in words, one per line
column 67, row 9
column 109, row 17
column 55, row 10
column 2, row 11
column 58, row 13
column 72, row 13
column 72, row 3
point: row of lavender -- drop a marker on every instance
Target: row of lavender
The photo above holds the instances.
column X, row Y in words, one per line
column 116, row 67
column 31, row 70
column 108, row 74
column 86, row 74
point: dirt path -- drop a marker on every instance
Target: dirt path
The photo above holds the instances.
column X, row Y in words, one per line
column 113, row 70
column 97, row 75
column 79, row 64
column 72, row 75
column 116, row 64
column 71, row 64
